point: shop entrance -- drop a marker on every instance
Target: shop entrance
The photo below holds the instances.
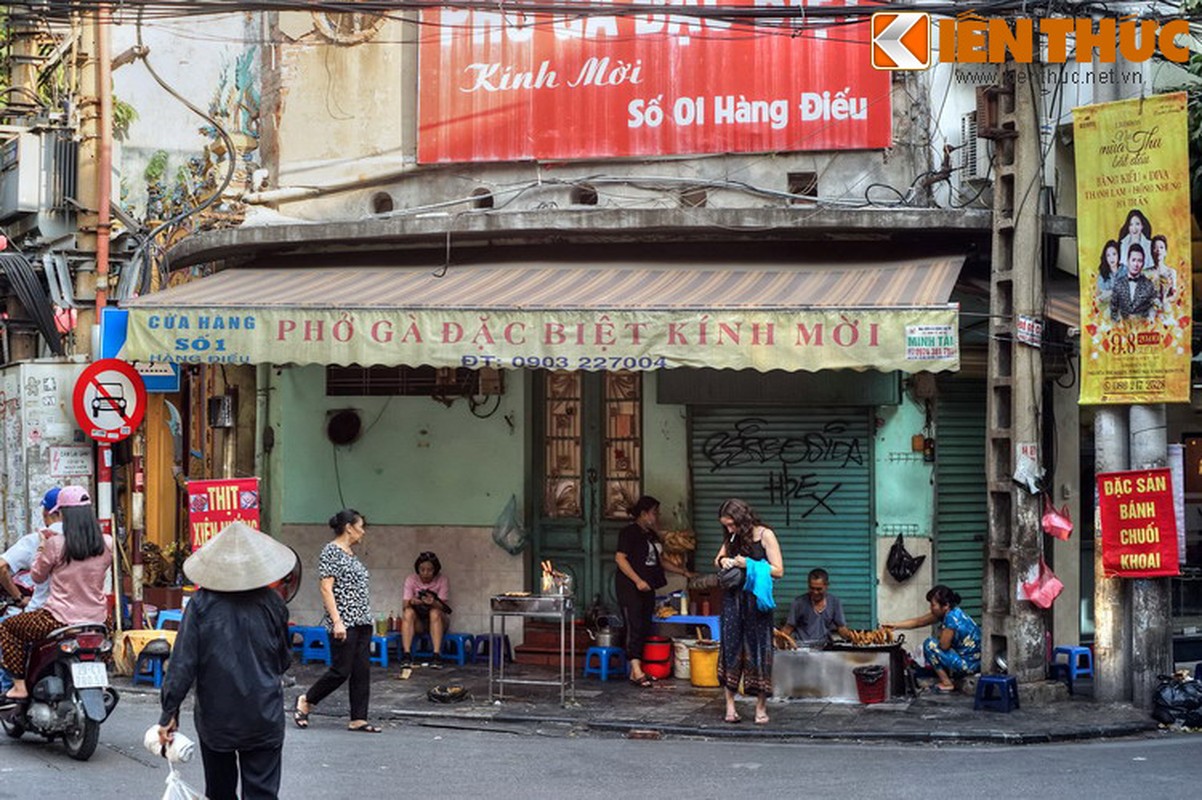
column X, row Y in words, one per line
column 588, row 454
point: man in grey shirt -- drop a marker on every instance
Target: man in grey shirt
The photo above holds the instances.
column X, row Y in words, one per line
column 815, row 614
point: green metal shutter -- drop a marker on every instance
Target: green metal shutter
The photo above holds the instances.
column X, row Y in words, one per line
column 807, row 472
column 961, row 513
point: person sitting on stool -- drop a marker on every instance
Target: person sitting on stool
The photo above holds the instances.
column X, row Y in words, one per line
column 956, row 652
column 425, row 597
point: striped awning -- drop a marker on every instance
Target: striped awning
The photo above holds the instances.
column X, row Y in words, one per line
column 568, row 316
column 888, row 284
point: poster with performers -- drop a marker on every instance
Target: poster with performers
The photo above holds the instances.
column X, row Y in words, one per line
column 1133, row 250
column 214, row 504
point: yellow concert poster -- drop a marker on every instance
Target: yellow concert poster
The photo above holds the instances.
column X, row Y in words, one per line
column 1133, row 250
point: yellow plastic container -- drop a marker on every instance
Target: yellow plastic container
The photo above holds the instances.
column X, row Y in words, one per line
column 703, row 664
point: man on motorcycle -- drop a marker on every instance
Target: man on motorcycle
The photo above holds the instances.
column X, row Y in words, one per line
column 75, row 564
column 19, row 557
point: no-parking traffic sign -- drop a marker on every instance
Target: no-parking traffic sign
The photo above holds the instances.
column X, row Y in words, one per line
column 109, row 400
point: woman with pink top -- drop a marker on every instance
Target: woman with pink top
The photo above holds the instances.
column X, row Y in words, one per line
column 425, row 597
column 75, row 564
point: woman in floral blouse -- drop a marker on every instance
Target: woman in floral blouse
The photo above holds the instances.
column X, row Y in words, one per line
column 344, row 594
column 956, row 652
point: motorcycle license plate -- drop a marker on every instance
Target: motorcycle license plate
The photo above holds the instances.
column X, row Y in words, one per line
column 89, row 675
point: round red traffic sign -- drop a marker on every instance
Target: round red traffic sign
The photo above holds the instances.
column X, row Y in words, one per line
column 109, row 400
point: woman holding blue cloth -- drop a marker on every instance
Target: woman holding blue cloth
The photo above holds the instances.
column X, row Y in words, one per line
column 747, row 626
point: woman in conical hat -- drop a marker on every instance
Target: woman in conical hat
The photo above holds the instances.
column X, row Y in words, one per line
column 233, row 645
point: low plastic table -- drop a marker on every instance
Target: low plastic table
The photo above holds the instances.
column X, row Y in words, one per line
column 713, row 623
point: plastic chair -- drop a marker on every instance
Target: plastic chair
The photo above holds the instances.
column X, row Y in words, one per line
column 608, row 660
column 1078, row 663
column 379, row 651
column 149, row 666
column 166, row 615
column 457, row 647
column 996, row 693
column 482, row 648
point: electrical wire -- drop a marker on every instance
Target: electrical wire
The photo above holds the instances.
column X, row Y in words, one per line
column 231, row 155
column 337, row 475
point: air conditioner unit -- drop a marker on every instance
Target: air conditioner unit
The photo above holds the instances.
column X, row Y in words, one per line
column 974, row 151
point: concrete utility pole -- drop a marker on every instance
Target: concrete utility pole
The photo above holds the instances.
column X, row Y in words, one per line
column 1112, row 618
column 88, row 220
column 1016, row 628
column 1151, row 612
column 1133, row 642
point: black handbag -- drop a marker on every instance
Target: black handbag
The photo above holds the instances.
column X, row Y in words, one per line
column 732, row 577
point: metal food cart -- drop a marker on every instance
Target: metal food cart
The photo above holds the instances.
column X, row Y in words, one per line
column 550, row 607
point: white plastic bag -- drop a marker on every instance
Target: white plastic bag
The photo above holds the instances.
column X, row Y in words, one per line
column 177, row 789
column 508, row 532
column 181, row 748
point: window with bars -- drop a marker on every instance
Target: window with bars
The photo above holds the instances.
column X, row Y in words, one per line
column 563, row 445
column 380, row 381
column 623, row 442
column 621, row 445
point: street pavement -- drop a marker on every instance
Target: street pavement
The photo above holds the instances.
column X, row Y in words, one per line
column 445, row 758
column 675, row 708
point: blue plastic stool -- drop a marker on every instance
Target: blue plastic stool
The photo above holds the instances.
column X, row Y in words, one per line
column 457, row 647
column 315, row 644
column 423, row 645
column 482, row 648
column 609, row 660
column 175, row 615
column 149, row 666
column 379, row 651
column 1078, row 663
column 996, row 693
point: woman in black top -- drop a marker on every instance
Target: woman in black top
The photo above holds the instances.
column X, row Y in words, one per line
column 640, row 573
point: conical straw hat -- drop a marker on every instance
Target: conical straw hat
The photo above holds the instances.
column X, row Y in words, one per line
column 239, row 558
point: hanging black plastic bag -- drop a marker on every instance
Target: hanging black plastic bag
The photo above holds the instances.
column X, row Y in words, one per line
column 900, row 564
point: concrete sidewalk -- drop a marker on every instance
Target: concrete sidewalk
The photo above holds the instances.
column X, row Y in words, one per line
column 675, row 708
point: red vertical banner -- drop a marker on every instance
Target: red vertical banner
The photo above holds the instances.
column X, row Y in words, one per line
column 214, row 504
column 1139, row 526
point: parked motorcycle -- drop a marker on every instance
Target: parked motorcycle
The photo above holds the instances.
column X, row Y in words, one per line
column 69, row 689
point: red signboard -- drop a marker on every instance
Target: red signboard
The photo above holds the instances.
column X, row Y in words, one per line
column 109, row 400
column 214, row 504
column 501, row 84
column 1139, row 528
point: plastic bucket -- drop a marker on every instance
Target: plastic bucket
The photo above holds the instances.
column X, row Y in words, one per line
column 872, row 683
column 657, row 657
column 680, row 663
column 703, row 664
